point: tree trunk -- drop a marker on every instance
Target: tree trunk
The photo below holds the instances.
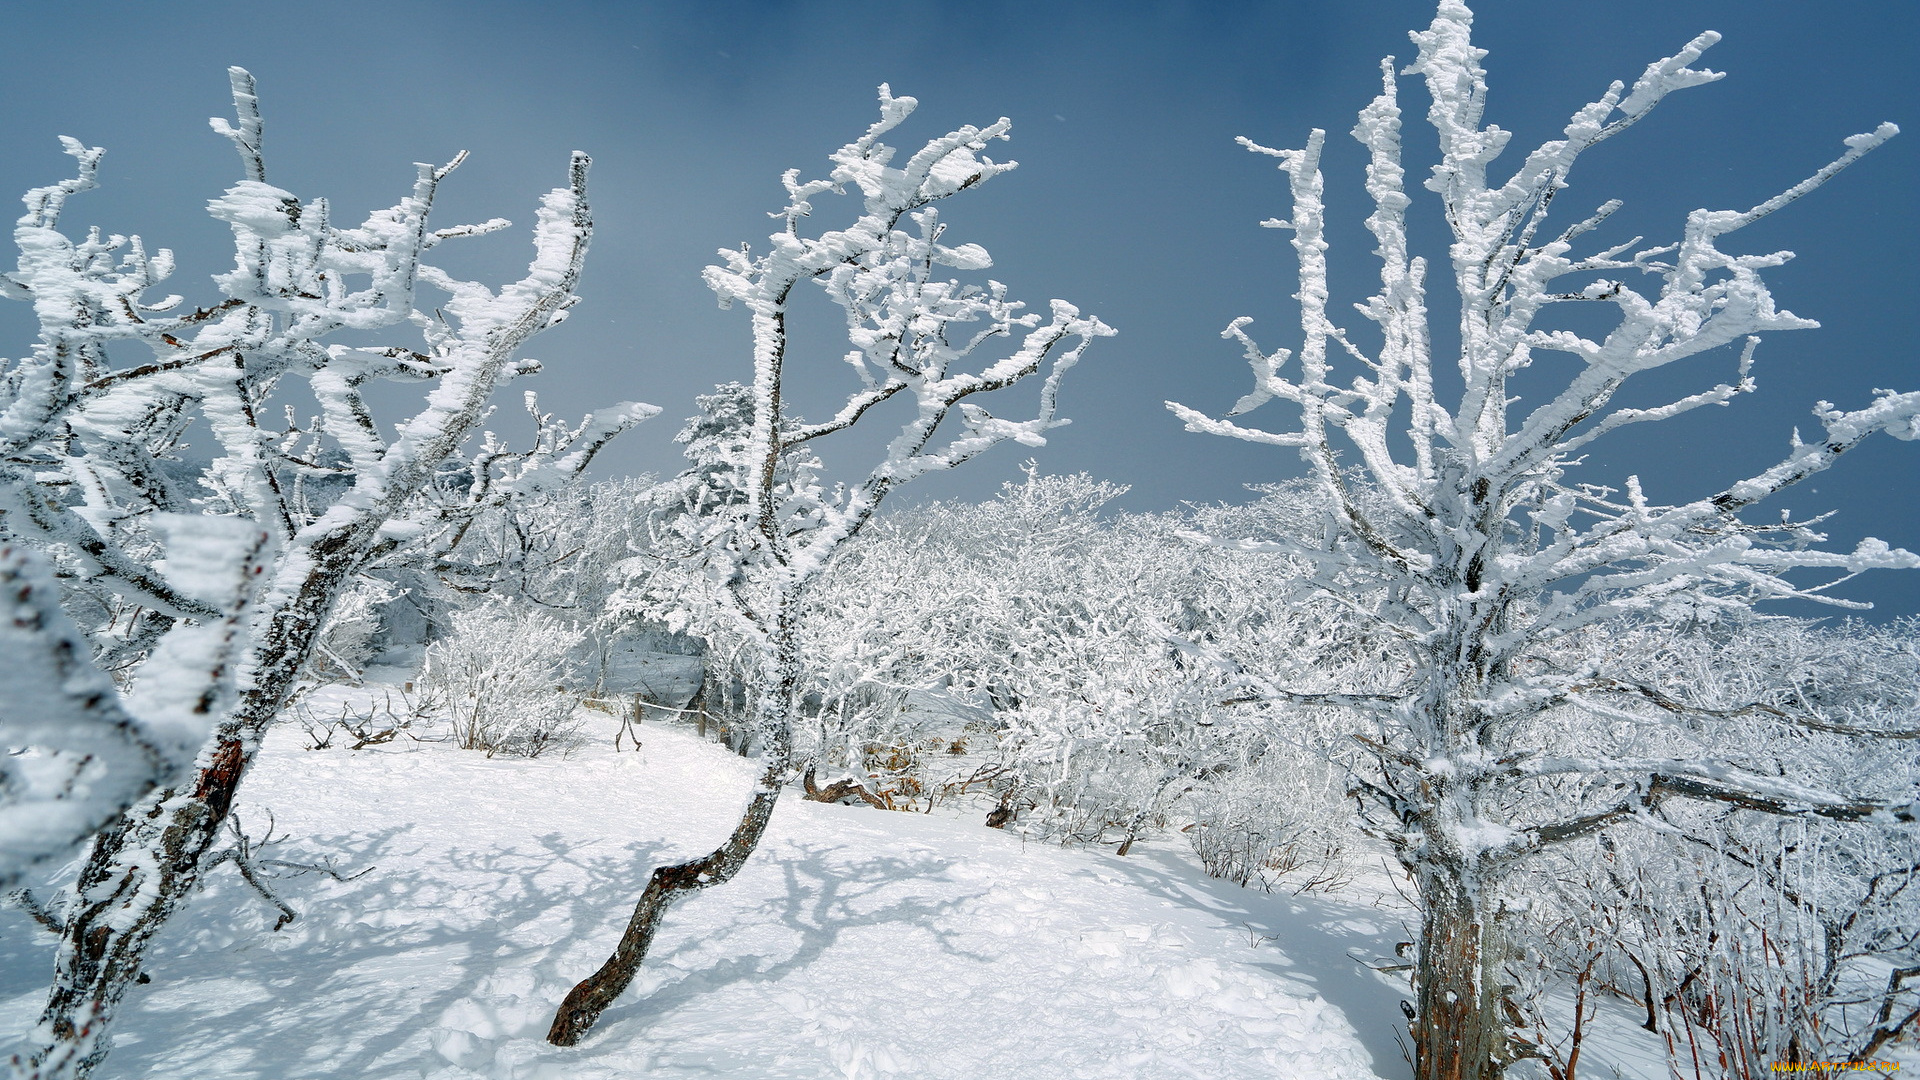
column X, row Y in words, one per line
column 143, row 868
column 140, row 870
column 1459, row 1032
column 668, row 884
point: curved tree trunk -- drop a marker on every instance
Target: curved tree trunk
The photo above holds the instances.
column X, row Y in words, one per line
column 668, row 884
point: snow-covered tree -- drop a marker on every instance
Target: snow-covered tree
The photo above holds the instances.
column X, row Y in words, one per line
column 92, row 474
column 1745, row 938
column 1053, row 620
column 1463, row 538
column 765, row 533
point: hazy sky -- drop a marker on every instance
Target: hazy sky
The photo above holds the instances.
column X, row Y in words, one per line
column 1131, row 200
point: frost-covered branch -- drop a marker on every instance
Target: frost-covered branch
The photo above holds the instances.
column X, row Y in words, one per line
column 77, row 753
column 93, row 478
column 756, row 521
column 911, row 331
column 1456, row 525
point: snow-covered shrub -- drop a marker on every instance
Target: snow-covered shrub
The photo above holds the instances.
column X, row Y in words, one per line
column 1746, row 937
column 555, row 547
column 1107, row 645
column 351, row 637
column 500, row 679
column 1021, row 654
column 1280, row 819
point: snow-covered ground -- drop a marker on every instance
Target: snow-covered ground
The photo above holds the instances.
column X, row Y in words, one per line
column 857, row 943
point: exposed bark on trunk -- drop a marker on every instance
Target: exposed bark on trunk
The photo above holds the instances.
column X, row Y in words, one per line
column 145, row 866
column 1459, row 1032
column 1652, row 1023
column 667, row 885
column 121, row 902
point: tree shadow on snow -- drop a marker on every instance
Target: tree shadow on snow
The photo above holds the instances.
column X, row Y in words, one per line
column 826, row 894
column 379, row 969
column 355, row 985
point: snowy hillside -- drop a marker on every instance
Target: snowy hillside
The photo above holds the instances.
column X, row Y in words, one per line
column 858, row 943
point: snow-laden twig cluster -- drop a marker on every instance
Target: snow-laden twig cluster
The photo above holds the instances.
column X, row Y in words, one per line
column 913, row 336
column 77, row 752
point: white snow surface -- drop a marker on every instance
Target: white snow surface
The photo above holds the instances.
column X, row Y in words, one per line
column 857, row 943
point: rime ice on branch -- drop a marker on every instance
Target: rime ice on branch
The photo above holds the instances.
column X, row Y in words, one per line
column 759, row 522
column 93, row 484
column 1477, row 548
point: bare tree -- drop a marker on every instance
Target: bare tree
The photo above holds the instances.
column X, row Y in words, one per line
column 1477, row 549
column 765, row 525
column 91, row 469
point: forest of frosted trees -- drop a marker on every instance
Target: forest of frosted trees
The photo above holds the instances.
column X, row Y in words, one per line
column 1598, row 766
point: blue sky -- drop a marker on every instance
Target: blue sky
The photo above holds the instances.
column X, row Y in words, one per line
column 1131, row 199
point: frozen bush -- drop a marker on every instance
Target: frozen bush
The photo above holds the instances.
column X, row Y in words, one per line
column 1276, row 819
column 500, row 681
column 351, row 637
